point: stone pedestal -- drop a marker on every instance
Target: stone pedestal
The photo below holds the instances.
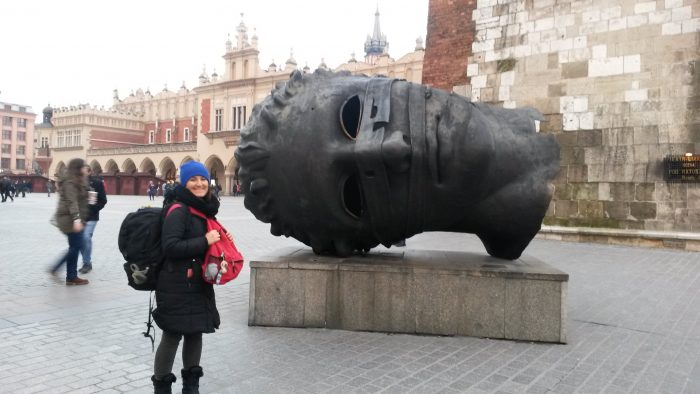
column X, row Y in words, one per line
column 415, row 292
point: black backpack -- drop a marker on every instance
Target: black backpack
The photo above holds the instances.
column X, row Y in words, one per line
column 139, row 243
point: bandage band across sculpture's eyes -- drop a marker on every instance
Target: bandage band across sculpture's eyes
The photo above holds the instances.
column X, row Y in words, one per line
column 344, row 163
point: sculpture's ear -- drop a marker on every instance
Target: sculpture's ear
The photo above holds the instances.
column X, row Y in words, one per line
column 294, row 83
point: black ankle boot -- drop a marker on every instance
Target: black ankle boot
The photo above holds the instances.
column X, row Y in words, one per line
column 163, row 385
column 190, row 380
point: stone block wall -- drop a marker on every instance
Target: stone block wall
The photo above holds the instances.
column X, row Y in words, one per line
column 619, row 85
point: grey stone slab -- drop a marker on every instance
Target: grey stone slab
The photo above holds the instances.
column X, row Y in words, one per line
column 427, row 292
column 394, row 304
column 356, row 301
column 533, row 309
column 443, row 262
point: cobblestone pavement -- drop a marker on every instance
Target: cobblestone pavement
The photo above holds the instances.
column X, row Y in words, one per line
column 633, row 324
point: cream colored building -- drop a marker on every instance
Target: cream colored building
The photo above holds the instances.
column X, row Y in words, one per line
column 157, row 133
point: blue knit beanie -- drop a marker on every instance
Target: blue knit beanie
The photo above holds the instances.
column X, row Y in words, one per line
column 192, row 168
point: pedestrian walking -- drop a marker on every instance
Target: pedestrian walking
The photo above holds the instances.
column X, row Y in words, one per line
column 186, row 304
column 8, row 190
column 49, row 186
column 97, row 199
column 152, row 190
column 71, row 213
column 2, row 189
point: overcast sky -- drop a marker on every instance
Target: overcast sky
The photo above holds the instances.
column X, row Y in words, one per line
column 77, row 51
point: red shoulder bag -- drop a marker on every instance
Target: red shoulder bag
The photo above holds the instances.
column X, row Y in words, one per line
column 222, row 262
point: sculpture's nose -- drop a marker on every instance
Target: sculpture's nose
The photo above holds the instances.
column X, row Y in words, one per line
column 396, row 152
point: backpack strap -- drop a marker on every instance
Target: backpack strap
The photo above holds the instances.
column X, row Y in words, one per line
column 172, row 207
column 149, row 323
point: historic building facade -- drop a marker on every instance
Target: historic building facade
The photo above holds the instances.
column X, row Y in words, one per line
column 17, row 154
column 154, row 134
column 618, row 83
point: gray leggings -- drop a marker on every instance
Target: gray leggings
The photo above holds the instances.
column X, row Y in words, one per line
column 165, row 355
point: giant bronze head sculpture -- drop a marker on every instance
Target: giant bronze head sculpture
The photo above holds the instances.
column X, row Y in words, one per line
column 343, row 163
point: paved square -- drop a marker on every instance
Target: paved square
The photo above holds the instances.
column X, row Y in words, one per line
column 634, row 324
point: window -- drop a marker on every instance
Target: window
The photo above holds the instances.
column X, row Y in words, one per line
column 67, row 138
column 168, row 135
column 21, row 122
column 186, row 135
column 6, row 148
column 7, row 134
column 219, row 119
column 21, row 136
column 152, row 137
column 7, row 121
column 239, row 117
column 20, row 164
column 60, row 139
column 44, row 142
column 20, row 150
column 5, row 163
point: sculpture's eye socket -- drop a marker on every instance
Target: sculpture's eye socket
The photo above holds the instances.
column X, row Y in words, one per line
column 350, row 116
column 352, row 196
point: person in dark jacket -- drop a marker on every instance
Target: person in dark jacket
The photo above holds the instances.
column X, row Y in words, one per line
column 7, row 190
column 186, row 306
column 71, row 214
column 97, row 200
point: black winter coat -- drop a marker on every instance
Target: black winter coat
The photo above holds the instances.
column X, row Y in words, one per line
column 185, row 303
column 99, row 187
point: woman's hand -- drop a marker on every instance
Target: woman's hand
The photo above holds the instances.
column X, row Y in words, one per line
column 212, row 236
column 78, row 226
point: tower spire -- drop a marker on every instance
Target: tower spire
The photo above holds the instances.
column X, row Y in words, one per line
column 375, row 45
column 377, row 32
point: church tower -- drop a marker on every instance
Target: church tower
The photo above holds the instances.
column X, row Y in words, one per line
column 241, row 58
column 376, row 45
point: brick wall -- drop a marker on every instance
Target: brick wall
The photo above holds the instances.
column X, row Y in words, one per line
column 113, row 139
column 446, row 52
column 619, row 84
column 206, row 115
column 177, row 132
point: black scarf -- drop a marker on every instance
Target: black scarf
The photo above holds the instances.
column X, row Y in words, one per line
column 208, row 205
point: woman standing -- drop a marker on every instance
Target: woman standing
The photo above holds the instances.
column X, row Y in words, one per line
column 71, row 214
column 186, row 306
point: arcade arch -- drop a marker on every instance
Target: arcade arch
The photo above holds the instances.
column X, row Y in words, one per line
column 96, row 167
column 148, row 166
column 112, row 167
column 60, row 169
column 129, row 167
column 186, row 159
column 216, row 171
column 168, row 171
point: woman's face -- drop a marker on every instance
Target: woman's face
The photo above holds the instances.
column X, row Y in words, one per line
column 198, row 185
